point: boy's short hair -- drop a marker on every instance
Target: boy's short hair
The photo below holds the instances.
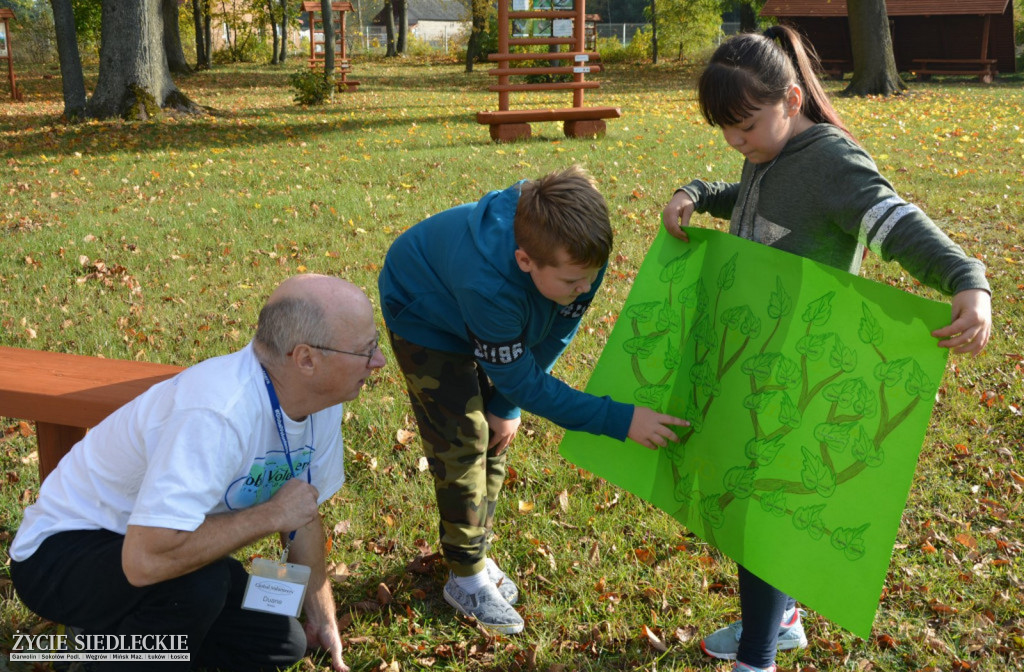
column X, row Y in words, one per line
column 563, row 211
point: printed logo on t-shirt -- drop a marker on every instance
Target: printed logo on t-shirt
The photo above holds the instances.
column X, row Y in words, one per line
column 265, row 476
column 575, row 309
column 496, row 353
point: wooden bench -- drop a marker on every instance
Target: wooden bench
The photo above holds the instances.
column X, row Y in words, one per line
column 576, row 120
column 835, row 68
column 983, row 68
column 67, row 394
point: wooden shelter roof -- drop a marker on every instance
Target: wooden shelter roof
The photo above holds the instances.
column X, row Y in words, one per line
column 831, row 8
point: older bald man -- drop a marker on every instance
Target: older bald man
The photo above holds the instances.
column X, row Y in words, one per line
column 131, row 534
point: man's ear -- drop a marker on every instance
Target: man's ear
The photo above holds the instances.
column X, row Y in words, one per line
column 302, row 358
column 526, row 264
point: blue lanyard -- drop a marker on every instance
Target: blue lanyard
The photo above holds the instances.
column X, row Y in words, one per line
column 275, row 406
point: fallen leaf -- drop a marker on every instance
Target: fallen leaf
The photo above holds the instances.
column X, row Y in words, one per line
column 654, row 641
column 525, row 507
column 404, row 436
column 383, row 594
column 563, row 501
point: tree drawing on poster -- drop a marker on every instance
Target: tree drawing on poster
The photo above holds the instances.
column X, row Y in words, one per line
column 808, row 391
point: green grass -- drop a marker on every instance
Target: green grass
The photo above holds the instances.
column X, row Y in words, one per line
column 159, row 242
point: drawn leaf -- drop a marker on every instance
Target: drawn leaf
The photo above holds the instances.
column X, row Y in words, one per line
column 711, row 512
column 651, row 395
column 819, row 311
column 669, row 318
column 740, row 481
column 787, row 372
column 780, row 303
column 812, row 346
column 704, row 333
column 789, row 414
column 816, row 475
column 642, row 346
column 865, row 450
column 695, row 296
column 758, row 401
column 774, row 503
column 759, row 366
column 835, row 435
column 764, row 450
column 727, row 276
column 675, row 270
column 869, row 330
column 672, row 356
column 842, row 357
column 849, row 540
column 684, row 489
column 918, row 383
column 890, row 373
column 809, row 518
column 642, row 312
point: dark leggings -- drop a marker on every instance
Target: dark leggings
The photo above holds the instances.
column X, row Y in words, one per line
column 75, row 578
column 763, row 607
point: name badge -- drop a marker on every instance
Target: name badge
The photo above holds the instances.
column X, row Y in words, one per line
column 277, row 588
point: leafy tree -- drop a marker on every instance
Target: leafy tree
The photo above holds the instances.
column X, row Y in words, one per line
column 480, row 13
column 874, row 66
column 688, row 26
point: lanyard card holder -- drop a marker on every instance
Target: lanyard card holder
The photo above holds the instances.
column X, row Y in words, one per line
column 275, row 587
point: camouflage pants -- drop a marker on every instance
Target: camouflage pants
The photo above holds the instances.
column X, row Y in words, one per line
column 448, row 392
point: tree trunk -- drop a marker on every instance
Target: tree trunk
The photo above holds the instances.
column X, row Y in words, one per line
column 478, row 30
column 874, row 66
column 72, row 82
column 202, row 60
column 208, row 32
column 273, row 32
column 403, row 26
column 134, row 79
column 328, row 25
column 284, row 32
column 748, row 18
column 654, row 31
column 172, row 39
column 389, row 24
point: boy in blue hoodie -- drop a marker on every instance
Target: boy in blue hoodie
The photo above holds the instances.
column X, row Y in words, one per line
column 479, row 302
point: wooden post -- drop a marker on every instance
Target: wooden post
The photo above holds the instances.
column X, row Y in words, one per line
column 6, row 50
column 504, row 28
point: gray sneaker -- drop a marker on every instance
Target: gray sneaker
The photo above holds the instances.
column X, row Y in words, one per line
column 724, row 643
column 487, row 606
column 506, row 587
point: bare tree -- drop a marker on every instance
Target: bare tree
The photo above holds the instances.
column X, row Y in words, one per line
column 874, row 66
column 72, row 82
column 389, row 24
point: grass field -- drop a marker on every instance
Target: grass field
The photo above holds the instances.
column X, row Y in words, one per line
column 159, row 242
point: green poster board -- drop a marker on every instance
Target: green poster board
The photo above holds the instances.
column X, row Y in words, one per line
column 809, row 391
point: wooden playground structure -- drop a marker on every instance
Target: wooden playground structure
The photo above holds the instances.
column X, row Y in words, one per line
column 342, row 65
column 568, row 27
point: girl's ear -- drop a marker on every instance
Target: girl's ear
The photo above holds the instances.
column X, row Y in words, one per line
column 794, row 100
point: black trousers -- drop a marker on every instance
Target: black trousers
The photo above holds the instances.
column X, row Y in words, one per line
column 75, row 578
column 762, row 606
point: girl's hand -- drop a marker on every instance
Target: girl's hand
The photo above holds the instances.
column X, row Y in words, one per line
column 676, row 215
column 972, row 322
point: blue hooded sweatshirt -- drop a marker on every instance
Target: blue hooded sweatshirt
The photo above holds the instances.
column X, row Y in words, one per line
column 451, row 283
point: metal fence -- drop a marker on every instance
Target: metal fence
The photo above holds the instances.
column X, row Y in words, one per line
column 623, row 32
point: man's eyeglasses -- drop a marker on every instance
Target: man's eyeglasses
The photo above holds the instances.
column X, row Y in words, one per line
column 369, row 355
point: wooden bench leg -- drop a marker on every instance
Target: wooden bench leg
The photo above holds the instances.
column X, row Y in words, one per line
column 589, row 128
column 510, row 132
column 54, row 442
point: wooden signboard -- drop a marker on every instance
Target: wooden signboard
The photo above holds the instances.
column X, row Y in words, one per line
column 6, row 53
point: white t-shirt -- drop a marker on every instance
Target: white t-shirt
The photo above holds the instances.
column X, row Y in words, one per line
column 201, row 443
